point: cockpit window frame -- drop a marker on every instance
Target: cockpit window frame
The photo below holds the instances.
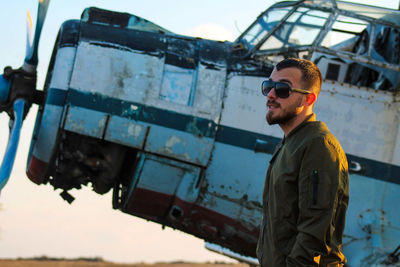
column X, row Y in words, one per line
column 334, row 12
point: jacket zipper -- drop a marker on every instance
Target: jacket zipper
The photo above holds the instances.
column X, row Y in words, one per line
column 262, row 241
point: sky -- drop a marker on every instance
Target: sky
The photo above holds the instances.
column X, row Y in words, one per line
column 34, row 220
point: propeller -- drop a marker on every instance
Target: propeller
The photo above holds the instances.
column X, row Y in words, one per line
column 31, row 59
column 18, row 91
column 28, row 34
column 8, row 160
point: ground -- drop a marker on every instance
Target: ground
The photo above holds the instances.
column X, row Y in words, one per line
column 100, row 263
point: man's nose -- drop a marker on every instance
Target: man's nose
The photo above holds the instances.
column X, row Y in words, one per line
column 271, row 94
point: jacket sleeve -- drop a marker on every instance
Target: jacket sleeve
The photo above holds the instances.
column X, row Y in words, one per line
column 318, row 184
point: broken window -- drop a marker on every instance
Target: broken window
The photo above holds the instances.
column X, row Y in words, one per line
column 301, row 28
column 345, row 33
column 263, row 25
column 306, row 25
column 387, row 43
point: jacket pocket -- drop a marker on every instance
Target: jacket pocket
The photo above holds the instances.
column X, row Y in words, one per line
column 322, row 190
column 285, row 236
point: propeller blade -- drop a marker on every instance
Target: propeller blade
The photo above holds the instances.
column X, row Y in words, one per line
column 9, row 156
column 31, row 59
column 29, row 29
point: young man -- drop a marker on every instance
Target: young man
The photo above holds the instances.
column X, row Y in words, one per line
column 306, row 188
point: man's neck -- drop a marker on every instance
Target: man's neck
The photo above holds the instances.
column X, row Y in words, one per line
column 292, row 124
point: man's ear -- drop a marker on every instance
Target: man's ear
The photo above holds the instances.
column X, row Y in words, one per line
column 310, row 99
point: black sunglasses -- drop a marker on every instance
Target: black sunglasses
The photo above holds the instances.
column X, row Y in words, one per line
column 282, row 90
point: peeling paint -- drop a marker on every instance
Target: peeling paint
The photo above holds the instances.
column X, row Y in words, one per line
column 173, row 140
column 134, row 130
column 192, row 128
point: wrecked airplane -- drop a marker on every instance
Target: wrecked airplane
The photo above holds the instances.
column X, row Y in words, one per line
column 175, row 125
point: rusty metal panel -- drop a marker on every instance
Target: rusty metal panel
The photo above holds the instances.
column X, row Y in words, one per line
column 84, row 121
column 117, row 73
column 158, row 181
column 126, row 132
column 179, row 145
column 366, row 123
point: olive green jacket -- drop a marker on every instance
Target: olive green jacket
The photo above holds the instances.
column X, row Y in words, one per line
column 305, row 200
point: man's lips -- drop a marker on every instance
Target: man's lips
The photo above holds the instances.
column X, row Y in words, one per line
column 272, row 105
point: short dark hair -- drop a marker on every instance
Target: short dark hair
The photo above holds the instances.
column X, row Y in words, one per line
column 311, row 77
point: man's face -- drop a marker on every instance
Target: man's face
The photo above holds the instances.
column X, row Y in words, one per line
column 284, row 110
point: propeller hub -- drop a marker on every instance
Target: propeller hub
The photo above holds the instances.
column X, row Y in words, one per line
column 21, row 85
column 4, row 89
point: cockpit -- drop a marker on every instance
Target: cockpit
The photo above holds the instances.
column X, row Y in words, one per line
column 351, row 43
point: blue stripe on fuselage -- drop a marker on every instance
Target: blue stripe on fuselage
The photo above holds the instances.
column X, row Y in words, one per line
column 203, row 127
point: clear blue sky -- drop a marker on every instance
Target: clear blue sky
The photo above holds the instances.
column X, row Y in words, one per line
column 34, row 220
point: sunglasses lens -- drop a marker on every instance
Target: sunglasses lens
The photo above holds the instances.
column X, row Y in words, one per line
column 282, row 90
column 266, row 87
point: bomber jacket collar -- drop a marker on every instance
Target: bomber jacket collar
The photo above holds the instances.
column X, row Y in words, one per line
column 310, row 118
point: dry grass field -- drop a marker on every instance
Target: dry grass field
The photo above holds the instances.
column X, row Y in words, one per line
column 82, row 263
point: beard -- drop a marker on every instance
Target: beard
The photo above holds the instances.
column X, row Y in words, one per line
column 287, row 114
